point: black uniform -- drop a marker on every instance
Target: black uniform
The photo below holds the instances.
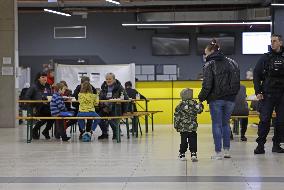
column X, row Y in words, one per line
column 269, row 81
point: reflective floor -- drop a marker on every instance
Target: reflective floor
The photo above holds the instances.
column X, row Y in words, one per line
column 147, row 162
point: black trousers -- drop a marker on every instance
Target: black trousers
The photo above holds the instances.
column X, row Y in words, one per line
column 244, row 126
column 188, row 139
column 44, row 112
column 267, row 105
column 59, row 128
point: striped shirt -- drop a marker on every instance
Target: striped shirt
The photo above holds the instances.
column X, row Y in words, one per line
column 57, row 104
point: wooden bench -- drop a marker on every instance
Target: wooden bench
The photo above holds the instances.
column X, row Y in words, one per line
column 31, row 118
column 143, row 113
column 236, row 120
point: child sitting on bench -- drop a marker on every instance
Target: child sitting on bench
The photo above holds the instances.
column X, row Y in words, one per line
column 57, row 108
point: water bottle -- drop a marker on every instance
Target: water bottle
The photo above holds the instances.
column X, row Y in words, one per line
column 122, row 96
column 137, row 96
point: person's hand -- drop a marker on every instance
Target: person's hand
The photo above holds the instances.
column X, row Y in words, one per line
column 68, row 100
column 201, row 105
column 259, row 96
column 105, row 109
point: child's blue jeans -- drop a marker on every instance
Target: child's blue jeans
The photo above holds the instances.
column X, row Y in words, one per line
column 81, row 122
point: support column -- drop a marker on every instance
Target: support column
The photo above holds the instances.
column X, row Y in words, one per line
column 8, row 62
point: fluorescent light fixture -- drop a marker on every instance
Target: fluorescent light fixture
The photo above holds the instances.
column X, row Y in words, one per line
column 276, row 4
column 112, row 1
column 56, row 12
column 197, row 24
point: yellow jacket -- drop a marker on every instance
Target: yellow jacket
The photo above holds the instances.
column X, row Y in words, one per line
column 87, row 102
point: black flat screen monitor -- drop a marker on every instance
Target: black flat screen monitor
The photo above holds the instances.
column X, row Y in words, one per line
column 170, row 45
column 227, row 43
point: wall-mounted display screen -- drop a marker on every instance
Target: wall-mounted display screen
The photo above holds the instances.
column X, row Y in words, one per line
column 226, row 42
column 170, row 45
column 255, row 42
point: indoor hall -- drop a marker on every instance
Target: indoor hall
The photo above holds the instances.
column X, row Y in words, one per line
column 148, row 162
column 160, row 48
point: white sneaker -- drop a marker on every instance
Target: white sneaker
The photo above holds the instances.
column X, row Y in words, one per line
column 182, row 157
column 217, row 156
column 227, row 153
column 194, row 159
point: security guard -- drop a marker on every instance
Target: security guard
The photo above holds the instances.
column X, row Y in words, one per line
column 269, row 89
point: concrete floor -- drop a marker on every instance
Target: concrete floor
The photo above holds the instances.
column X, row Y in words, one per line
column 147, row 162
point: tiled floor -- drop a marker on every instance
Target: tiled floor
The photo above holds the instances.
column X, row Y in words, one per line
column 147, row 162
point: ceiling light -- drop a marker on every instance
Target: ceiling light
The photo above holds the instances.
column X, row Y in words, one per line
column 57, row 12
column 112, row 1
column 197, row 24
column 276, row 4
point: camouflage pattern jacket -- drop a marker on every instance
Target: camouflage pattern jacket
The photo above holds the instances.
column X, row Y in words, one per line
column 185, row 117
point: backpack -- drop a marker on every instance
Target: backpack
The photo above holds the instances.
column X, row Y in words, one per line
column 87, row 137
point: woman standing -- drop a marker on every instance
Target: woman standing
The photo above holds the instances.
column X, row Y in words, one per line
column 220, row 86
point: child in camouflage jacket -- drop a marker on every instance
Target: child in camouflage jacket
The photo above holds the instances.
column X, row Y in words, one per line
column 185, row 122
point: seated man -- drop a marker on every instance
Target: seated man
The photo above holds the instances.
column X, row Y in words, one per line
column 241, row 109
column 133, row 93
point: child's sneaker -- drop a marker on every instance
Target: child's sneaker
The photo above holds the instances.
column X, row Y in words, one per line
column 182, row 157
column 217, row 156
column 227, row 153
column 194, row 157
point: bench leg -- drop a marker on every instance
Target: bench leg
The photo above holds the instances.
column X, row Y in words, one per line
column 127, row 128
column 118, row 131
column 138, row 122
column 152, row 122
column 236, row 126
column 29, row 125
column 133, row 126
column 146, row 117
column 29, row 130
column 136, row 126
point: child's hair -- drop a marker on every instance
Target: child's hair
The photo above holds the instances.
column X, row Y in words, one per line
column 86, row 87
column 186, row 94
column 213, row 45
column 85, row 79
column 64, row 82
column 59, row 86
column 128, row 84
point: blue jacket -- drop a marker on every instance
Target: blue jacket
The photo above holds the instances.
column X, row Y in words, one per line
column 57, row 104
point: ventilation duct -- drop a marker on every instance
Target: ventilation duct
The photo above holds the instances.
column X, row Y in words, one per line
column 256, row 14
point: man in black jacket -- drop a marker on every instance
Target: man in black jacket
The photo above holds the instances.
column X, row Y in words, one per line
column 134, row 94
column 111, row 89
column 268, row 79
column 39, row 91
